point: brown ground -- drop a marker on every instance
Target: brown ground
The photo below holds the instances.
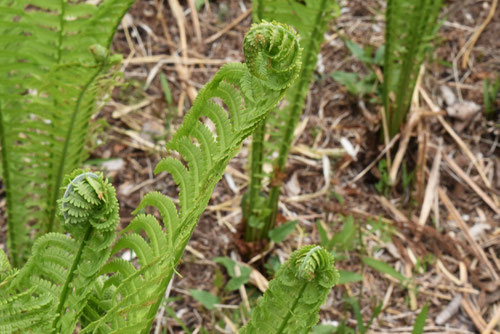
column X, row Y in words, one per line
column 454, row 265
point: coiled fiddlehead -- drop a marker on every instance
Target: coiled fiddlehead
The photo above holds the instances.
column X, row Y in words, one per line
column 236, row 100
column 292, row 302
column 62, row 269
column 273, row 54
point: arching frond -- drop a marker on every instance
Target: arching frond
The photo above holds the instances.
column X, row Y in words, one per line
column 248, row 93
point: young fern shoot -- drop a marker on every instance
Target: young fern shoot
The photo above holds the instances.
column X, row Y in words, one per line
column 310, row 18
column 49, row 293
column 410, row 28
column 291, row 304
column 129, row 299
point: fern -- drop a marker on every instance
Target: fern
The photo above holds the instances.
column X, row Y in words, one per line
column 410, row 26
column 311, row 19
column 54, row 67
column 292, row 302
column 127, row 298
column 49, row 293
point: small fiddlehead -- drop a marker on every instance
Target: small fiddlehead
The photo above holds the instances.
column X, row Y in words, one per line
column 63, row 269
column 292, row 302
column 273, row 54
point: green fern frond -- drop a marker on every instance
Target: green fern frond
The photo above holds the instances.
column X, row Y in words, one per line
column 292, row 301
column 24, row 311
column 311, row 19
column 49, row 293
column 249, row 93
column 410, row 28
column 54, row 68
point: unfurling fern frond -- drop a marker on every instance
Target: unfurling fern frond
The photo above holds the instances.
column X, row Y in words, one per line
column 310, row 18
column 49, row 293
column 292, row 302
column 54, row 69
column 248, row 92
column 410, row 27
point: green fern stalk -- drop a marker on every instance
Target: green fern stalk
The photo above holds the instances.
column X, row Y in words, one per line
column 132, row 294
column 49, row 293
column 410, row 27
column 292, row 302
column 253, row 201
column 311, row 19
column 54, row 68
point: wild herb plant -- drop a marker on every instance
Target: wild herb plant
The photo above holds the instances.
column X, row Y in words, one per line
column 310, row 18
column 54, row 71
column 410, row 28
column 69, row 282
column 360, row 85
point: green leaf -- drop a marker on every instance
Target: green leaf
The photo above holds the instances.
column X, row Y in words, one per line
column 281, row 232
column 345, row 238
column 384, row 268
column 355, row 84
column 205, row 298
column 347, row 79
column 357, row 313
column 227, row 263
column 236, row 280
column 349, row 277
column 323, row 236
column 358, row 51
column 199, row 4
column 379, row 55
column 418, row 328
column 166, row 88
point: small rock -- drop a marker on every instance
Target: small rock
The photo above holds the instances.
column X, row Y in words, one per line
column 463, row 111
column 293, row 186
column 448, row 95
column 113, row 165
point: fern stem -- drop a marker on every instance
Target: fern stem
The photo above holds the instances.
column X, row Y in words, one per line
column 162, row 287
column 296, row 106
column 65, row 289
column 256, row 173
column 11, row 240
column 51, row 207
column 258, row 10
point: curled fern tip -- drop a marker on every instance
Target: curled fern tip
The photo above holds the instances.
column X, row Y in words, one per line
column 272, row 53
column 89, row 199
